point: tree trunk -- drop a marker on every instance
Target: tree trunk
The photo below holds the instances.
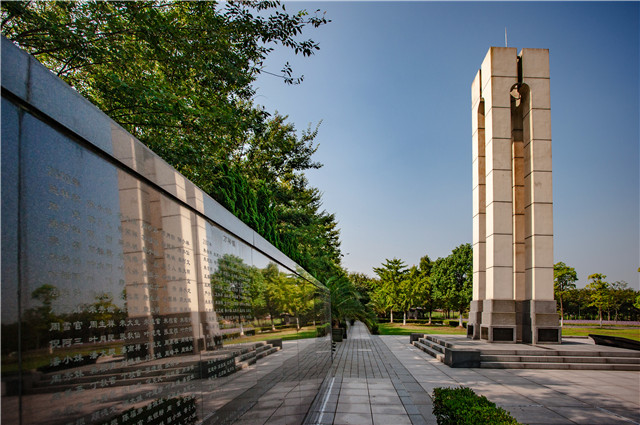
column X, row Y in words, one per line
column 600, row 316
column 273, row 325
column 404, row 318
column 391, row 321
column 460, row 319
column 429, row 318
column 561, row 314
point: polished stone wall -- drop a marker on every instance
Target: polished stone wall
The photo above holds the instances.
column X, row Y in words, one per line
column 129, row 296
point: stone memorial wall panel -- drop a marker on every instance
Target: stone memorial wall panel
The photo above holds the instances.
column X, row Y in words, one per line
column 124, row 303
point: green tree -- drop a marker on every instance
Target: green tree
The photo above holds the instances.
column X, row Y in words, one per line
column 178, row 76
column 37, row 320
column 391, row 275
column 230, row 285
column 426, row 294
column 599, row 291
column 621, row 296
column 274, row 296
column 564, row 279
column 298, row 300
column 345, row 302
column 408, row 292
column 453, row 277
column 364, row 285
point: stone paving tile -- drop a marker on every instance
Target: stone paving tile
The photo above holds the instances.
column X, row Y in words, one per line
column 353, row 408
column 352, row 419
column 385, row 399
column 382, row 419
column 588, row 416
column 353, row 399
column 392, row 409
column 534, row 396
column 369, row 385
column 385, row 380
column 533, row 415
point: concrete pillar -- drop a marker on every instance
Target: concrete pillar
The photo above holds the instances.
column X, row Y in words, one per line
column 536, row 114
column 479, row 210
column 512, row 194
column 499, row 72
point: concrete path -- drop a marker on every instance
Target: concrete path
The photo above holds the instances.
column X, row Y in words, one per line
column 369, row 385
column 383, row 380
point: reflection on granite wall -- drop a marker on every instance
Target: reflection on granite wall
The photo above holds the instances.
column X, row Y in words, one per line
column 128, row 295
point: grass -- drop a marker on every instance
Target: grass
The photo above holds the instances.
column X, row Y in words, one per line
column 409, row 328
column 399, row 329
column 623, row 331
column 285, row 334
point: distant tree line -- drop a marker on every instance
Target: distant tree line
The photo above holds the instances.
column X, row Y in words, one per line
column 446, row 285
column 598, row 300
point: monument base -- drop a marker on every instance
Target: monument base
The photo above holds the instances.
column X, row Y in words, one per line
column 541, row 322
column 510, row 321
column 475, row 319
column 498, row 321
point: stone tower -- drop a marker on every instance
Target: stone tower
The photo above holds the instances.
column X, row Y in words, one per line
column 512, row 200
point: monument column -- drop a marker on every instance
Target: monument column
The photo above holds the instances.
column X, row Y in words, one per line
column 479, row 210
column 499, row 72
column 512, row 200
column 539, row 306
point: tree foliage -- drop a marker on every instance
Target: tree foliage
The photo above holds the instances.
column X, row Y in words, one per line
column 179, row 76
column 345, row 301
column 564, row 278
column 453, row 277
column 388, row 294
column 599, row 292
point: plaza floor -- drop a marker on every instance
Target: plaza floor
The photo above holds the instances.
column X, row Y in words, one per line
column 383, row 380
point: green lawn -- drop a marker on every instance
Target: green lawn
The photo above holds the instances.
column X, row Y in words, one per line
column 285, row 334
column 399, row 329
column 623, row 331
column 409, row 328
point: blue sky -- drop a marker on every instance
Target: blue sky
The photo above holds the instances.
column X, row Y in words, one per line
column 391, row 84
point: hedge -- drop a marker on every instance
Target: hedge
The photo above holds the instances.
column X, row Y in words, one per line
column 461, row 406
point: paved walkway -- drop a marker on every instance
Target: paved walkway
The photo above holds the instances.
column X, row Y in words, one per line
column 383, row 380
column 368, row 384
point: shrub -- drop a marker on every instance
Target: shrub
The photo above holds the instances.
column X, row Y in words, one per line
column 323, row 330
column 374, row 329
column 461, row 406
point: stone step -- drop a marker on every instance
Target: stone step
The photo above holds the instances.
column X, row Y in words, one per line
column 266, row 352
column 439, row 341
column 107, row 382
column 563, row 353
column 566, row 366
column 433, row 345
column 240, row 357
column 433, row 353
column 559, row 359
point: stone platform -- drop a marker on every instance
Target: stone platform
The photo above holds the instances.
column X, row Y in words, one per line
column 573, row 353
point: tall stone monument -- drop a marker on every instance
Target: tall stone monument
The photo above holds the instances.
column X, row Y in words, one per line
column 512, row 200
